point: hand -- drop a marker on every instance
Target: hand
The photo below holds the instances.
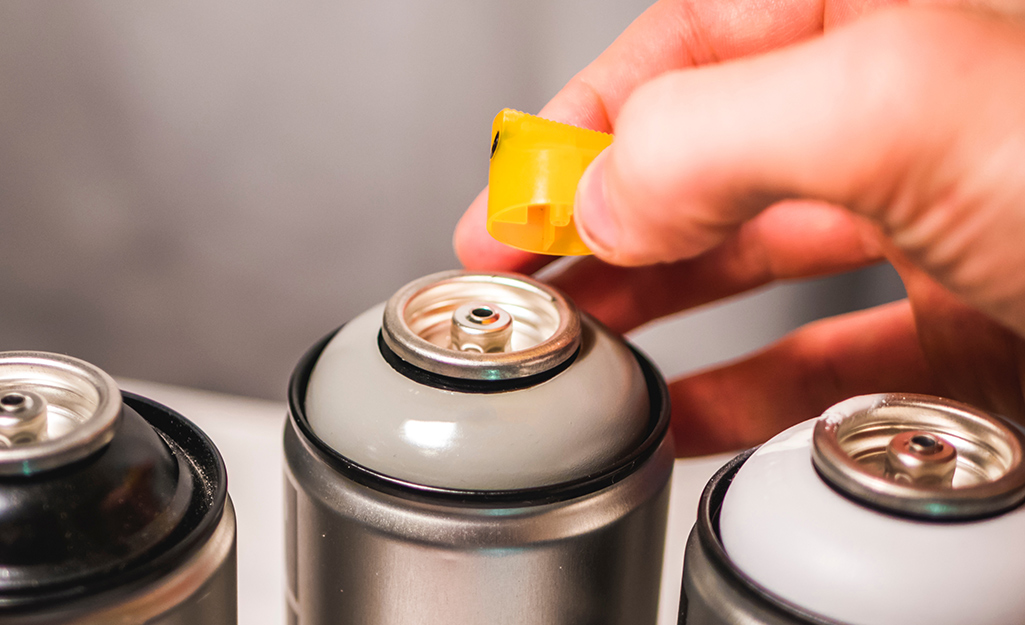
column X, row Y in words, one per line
column 898, row 136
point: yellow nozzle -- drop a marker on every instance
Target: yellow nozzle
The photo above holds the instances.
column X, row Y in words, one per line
column 535, row 167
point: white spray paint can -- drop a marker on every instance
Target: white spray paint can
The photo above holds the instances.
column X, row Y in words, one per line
column 889, row 509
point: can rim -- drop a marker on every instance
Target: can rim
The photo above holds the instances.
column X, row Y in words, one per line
column 66, row 378
column 659, row 414
column 850, row 476
column 562, row 342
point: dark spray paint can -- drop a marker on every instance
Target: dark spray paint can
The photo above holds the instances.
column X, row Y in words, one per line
column 113, row 508
column 475, row 450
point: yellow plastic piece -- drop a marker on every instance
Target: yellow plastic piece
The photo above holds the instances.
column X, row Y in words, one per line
column 535, row 167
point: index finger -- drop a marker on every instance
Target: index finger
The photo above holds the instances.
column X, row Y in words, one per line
column 669, row 35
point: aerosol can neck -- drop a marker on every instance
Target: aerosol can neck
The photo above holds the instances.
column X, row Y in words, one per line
column 481, row 326
column 921, row 456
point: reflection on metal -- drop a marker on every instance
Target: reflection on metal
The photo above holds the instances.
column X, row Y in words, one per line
column 201, row 591
column 921, row 458
column 481, row 326
column 920, row 455
column 22, row 418
column 54, row 410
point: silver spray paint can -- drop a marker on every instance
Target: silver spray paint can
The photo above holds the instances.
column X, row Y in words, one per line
column 887, row 509
column 113, row 508
column 475, row 450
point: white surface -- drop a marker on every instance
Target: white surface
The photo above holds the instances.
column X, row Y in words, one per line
column 550, row 433
column 788, row 530
column 248, row 434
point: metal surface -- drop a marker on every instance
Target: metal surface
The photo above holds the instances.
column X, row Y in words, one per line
column 417, row 325
column 862, row 448
column 481, row 327
column 82, row 405
column 201, row 591
column 710, row 598
column 358, row 555
column 921, row 458
column 22, row 418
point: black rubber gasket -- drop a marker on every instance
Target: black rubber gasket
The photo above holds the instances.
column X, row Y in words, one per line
column 195, row 451
column 461, row 385
column 709, row 511
column 209, row 472
column 658, row 396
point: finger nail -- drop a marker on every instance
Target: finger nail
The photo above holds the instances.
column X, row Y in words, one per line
column 591, row 211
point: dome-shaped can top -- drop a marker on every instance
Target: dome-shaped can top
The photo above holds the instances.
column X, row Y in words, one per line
column 480, row 382
column 889, row 508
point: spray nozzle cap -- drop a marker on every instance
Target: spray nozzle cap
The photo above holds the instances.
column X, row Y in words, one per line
column 535, row 167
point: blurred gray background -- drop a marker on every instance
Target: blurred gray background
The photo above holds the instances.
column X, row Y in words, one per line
column 194, row 191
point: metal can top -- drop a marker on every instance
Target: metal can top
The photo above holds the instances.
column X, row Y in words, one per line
column 54, row 410
column 478, row 382
column 481, row 326
column 921, row 456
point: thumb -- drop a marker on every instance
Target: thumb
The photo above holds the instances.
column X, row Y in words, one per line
column 914, row 118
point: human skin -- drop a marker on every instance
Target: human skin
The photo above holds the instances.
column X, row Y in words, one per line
column 758, row 141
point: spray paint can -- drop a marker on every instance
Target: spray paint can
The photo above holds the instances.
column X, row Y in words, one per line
column 113, row 508
column 887, row 509
column 475, row 450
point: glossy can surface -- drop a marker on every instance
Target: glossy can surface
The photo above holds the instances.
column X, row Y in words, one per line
column 463, row 540
column 715, row 591
column 119, row 513
column 778, row 535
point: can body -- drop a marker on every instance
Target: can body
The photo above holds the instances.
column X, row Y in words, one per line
column 201, row 590
column 365, row 548
column 130, row 524
column 356, row 554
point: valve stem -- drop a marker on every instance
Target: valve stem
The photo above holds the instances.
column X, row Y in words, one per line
column 481, row 327
column 22, row 418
